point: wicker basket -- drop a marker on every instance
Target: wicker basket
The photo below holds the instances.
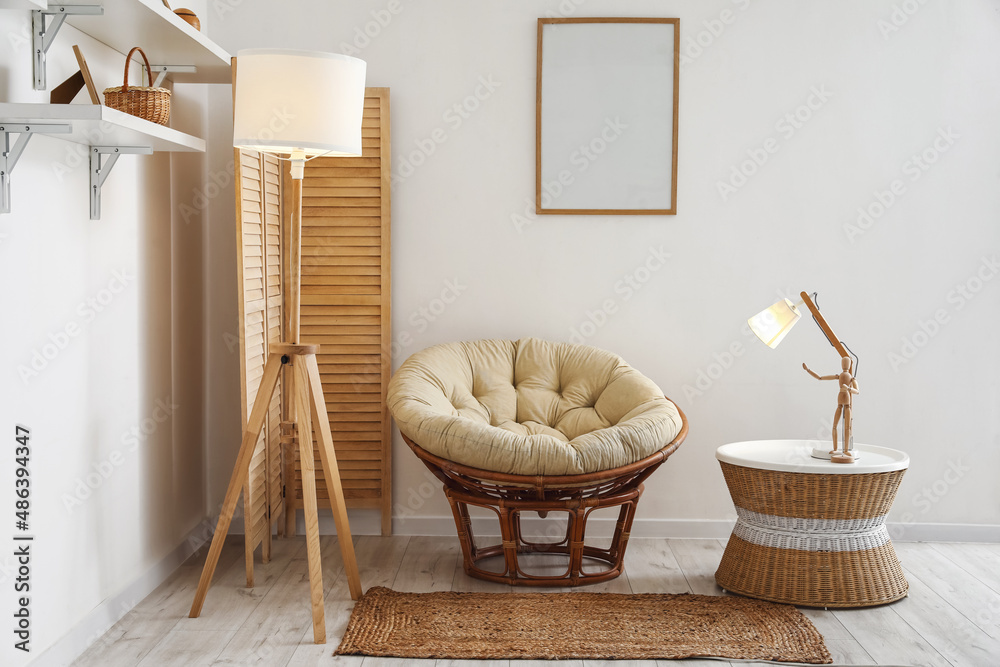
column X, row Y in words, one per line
column 146, row 102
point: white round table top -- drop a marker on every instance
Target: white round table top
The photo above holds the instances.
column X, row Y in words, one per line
column 796, row 456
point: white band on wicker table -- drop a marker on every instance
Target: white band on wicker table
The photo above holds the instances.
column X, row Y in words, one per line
column 783, row 532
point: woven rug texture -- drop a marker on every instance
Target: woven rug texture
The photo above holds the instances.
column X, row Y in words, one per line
column 596, row 626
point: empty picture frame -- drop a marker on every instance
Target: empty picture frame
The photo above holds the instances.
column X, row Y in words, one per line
column 606, row 116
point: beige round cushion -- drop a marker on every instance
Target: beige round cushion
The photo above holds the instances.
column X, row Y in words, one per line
column 530, row 407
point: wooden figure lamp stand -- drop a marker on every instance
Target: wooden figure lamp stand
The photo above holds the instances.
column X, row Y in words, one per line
column 304, row 104
column 773, row 324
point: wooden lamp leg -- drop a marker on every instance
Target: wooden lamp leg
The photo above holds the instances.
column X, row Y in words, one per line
column 255, row 424
column 308, row 466
column 331, row 472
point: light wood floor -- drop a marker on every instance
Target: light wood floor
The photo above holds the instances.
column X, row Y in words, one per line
column 951, row 616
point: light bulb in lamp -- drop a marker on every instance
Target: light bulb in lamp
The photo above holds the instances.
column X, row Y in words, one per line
column 771, row 325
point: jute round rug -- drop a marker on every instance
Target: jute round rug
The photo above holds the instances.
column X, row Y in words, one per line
column 597, row 626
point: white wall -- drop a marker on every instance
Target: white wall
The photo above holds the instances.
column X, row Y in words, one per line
column 115, row 407
column 463, row 215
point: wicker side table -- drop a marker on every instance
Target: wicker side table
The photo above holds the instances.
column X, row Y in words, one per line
column 810, row 532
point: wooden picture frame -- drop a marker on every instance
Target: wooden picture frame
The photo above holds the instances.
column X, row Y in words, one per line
column 606, row 116
column 67, row 90
column 95, row 98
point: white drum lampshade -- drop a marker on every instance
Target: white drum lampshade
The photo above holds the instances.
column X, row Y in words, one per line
column 289, row 101
column 773, row 324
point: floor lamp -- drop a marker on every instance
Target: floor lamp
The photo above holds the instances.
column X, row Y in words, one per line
column 302, row 104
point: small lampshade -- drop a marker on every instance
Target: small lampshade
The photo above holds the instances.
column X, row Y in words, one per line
column 772, row 324
column 298, row 100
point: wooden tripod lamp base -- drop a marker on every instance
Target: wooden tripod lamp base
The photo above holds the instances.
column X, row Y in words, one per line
column 306, row 393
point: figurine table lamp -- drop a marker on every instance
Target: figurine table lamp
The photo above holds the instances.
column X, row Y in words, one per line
column 773, row 324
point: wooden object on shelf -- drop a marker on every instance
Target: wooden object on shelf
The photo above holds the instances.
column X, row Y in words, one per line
column 146, row 102
column 258, row 238
column 189, row 17
column 67, row 90
column 346, row 308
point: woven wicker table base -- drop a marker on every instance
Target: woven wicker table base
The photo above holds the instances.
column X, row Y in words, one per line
column 812, row 579
column 816, row 540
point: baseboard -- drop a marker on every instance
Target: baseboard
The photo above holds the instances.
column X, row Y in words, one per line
column 688, row 528
column 71, row 645
column 944, row 532
column 597, row 527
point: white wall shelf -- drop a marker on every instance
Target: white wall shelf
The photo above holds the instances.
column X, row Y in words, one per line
column 174, row 48
column 23, row 4
column 94, row 124
column 106, row 131
column 165, row 37
column 171, row 43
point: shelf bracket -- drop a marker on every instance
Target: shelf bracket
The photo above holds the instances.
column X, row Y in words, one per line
column 99, row 173
column 162, row 70
column 9, row 156
column 42, row 35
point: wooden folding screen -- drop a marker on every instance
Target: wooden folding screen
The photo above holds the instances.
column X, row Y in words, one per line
column 258, row 209
column 345, row 308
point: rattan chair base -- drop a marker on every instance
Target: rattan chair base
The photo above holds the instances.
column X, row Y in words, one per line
column 572, row 545
column 509, row 496
column 812, row 578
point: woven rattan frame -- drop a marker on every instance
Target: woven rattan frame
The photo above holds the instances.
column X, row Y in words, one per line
column 578, row 495
column 843, row 576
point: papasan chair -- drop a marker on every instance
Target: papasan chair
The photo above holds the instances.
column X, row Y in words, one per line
column 535, row 426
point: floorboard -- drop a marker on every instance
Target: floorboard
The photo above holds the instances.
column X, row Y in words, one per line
column 889, row 639
column 848, row 652
column 945, row 628
column 276, row 626
column 979, row 603
column 129, row 640
column 698, row 560
column 979, row 560
column 652, row 568
column 188, row 648
column 428, row 565
column 229, row 602
column 379, row 559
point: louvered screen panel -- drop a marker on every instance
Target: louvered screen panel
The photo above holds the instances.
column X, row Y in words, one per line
column 345, row 307
column 259, row 275
column 272, row 242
